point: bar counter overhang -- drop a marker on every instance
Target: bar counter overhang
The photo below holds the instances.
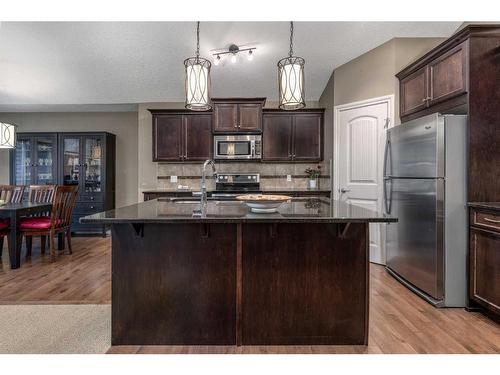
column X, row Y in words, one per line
column 297, row 277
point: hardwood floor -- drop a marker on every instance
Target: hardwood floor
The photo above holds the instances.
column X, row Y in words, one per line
column 400, row 322
column 83, row 277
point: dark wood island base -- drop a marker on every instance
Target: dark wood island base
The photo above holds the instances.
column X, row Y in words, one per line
column 231, row 277
column 240, row 284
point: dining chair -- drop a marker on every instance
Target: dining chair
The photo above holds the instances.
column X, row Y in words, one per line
column 59, row 220
column 4, row 231
column 11, row 193
column 8, row 194
column 39, row 194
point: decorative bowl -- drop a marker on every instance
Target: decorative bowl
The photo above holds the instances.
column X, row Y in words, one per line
column 263, row 203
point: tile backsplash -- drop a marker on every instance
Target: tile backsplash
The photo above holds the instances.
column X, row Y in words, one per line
column 272, row 175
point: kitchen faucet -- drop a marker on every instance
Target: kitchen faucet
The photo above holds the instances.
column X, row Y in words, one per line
column 203, row 195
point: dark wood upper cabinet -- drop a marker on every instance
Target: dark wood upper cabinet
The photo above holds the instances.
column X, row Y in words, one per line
column 225, row 117
column 293, row 136
column 413, row 90
column 437, row 82
column 307, row 137
column 250, row 116
column 167, row 138
column 232, row 115
column 197, row 137
column 448, row 74
column 181, row 135
column 277, row 137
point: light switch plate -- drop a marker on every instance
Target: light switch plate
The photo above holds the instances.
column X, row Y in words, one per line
column 173, row 178
column 289, row 177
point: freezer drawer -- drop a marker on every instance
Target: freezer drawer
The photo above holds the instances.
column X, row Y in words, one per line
column 416, row 148
column 415, row 244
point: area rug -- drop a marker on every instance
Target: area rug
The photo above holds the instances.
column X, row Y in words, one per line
column 54, row 329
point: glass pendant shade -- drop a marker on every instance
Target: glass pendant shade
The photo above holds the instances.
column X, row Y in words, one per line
column 7, row 135
column 197, row 84
column 291, row 83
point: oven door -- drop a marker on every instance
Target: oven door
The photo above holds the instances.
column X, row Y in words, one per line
column 234, row 149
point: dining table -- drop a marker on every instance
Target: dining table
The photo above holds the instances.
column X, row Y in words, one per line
column 14, row 212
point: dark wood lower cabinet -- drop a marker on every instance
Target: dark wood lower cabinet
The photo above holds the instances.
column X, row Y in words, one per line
column 240, row 284
column 484, row 260
column 303, row 284
column 174, row 285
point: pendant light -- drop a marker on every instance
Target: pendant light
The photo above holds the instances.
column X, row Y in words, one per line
column 197, row 70
column 7, row 135
column 291, row 80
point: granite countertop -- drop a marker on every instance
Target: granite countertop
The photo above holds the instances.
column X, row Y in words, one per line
column 487, row 205
column 298, row 210
column 267, row 190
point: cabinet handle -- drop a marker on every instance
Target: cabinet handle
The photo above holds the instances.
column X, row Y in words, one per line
column 492, row 220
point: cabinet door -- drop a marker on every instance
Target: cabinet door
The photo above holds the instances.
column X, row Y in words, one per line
column 167, row 138
column 485, row 268
column 45, row 163
column 448, row 75
column 277, row 138
column 307, row 137
column 413, row 92
column 72, row 162
column 197, row 137
column 250, row 117
column 23, row 160
column 93, row 164
column 225, row 117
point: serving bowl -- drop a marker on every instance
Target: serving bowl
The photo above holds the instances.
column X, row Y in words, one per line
column 263, row 203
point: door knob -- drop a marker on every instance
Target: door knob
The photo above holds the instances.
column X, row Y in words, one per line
column 344, row 190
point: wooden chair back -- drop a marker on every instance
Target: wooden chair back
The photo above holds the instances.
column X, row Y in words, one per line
column 41, row 193
column 62, row 206
column 11, row 193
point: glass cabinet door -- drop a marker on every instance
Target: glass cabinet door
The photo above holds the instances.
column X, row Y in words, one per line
column 93, row 164
column 23, row 161
column 71, row 167
column 46, row 160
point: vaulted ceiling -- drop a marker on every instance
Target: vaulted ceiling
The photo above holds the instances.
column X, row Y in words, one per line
column 134, row 62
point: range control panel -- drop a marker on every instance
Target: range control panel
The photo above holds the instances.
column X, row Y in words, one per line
column 240, row 178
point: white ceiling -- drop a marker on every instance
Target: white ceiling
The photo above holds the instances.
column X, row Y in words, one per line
column 53, row 63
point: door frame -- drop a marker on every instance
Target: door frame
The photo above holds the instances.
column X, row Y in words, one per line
column 337, row 110
column 388, row 99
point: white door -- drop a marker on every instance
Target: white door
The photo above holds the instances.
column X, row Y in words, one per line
column 360, row 131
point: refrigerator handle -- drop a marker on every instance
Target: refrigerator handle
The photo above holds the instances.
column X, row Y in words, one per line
column 386, row 152
column 386, row 179
column 387, row 200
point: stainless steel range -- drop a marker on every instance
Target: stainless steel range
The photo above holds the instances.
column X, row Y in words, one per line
column 229, row 185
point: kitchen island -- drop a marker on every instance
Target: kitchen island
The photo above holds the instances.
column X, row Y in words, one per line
column 296, row 277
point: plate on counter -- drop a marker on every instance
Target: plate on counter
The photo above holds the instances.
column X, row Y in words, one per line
column 263, row 203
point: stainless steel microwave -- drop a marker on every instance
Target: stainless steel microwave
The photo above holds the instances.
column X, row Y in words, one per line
column 238, row 147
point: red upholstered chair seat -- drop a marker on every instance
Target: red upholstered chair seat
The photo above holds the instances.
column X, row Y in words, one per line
column 41, row 222
column 4, row 224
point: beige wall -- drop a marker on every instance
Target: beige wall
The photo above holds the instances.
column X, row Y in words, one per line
column 122, row 124
column 327, row 101
column 371, row 75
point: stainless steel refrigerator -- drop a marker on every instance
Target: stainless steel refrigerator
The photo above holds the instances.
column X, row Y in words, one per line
column 425, row 188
